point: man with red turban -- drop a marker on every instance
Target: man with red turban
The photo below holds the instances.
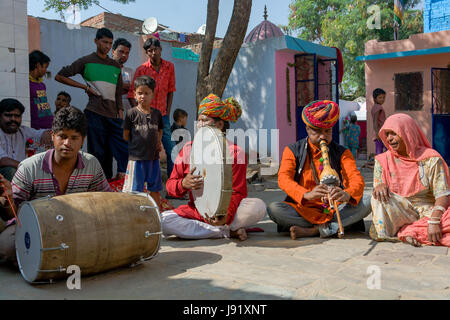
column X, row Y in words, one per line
column 185, row 221
column 306, row 211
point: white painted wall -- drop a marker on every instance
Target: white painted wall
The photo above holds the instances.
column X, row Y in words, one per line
column 14, row 53
column 252, row 83
column 64, row 45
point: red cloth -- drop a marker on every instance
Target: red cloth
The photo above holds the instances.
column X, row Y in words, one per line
column 165, row 83
column 340, row 64
column 419, row 230
column 181, row 169
column 117, row 186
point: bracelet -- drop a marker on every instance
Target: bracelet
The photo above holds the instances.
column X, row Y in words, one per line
column 440, row 208
column 433, row 222
column 436, row 218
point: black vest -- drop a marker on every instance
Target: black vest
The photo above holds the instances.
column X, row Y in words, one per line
column 299, row 149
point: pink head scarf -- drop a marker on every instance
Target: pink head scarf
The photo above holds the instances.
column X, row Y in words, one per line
column 400, row 173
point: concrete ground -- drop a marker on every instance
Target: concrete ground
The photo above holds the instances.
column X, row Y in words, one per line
column 266, row 266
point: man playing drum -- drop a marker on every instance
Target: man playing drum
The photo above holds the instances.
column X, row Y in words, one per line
column 62, row 170
column 186, row 221
column 306, row 212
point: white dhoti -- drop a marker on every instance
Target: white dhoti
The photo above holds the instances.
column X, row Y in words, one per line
column 249, row 212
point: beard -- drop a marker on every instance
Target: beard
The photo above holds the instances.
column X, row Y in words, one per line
column 6, row 127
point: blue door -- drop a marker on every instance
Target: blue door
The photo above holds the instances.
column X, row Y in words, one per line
column 307, row 83
column 440, row 108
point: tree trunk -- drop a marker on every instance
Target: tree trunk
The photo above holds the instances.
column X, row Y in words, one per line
column 215, row 81
column 206, row 51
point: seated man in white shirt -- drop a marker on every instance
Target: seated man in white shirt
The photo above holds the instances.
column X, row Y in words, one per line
column 14, row 136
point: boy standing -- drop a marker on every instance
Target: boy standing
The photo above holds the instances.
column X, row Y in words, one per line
column 104, row 110
column 142, row 128
column 120, row 52
column 163, row 72
column 40, row 111
column 378, row 117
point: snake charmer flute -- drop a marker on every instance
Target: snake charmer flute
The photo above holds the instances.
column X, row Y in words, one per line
column 330, row 177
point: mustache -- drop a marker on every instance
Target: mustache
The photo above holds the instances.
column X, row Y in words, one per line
column 13, row 122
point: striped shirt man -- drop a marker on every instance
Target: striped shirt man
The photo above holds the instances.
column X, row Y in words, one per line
column 35, row 179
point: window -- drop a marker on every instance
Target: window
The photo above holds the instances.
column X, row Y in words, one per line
column 441, row 91
column 408, row 91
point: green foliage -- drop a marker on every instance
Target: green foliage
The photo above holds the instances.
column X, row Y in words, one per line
column 343, row 24
column 61, row 5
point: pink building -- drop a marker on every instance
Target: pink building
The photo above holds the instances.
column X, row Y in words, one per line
column 416, row 77
column 275, row 76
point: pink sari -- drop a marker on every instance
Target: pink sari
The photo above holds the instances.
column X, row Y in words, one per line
column 401, row 174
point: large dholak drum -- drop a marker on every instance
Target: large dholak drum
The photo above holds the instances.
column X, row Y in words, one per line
column 211, row 157
column 96, row 231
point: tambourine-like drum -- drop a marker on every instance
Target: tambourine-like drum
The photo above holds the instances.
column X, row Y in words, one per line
column 95, row 231
column 211, row 157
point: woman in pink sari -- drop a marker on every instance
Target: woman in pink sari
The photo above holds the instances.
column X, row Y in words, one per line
column 411, row 187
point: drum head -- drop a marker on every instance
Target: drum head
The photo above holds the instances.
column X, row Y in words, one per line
column 212, row 159
column 28, row 243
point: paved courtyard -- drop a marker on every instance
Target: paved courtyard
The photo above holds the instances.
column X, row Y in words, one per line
column 266, row 266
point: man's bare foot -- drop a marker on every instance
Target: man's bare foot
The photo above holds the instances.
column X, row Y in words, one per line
column 240, row 234
column 300, row 232
column 412, row 242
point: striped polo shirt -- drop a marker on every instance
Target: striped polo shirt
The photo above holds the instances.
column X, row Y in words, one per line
column 34, row 177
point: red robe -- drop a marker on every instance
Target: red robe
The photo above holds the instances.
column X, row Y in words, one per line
column 181, row 169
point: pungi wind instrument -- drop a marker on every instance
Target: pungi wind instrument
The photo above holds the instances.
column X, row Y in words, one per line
column 330, row 177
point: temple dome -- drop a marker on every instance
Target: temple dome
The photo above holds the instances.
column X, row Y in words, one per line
column 264, row 30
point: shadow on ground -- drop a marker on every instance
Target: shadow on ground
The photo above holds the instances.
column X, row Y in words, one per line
column 154, row 279
column 270, row 238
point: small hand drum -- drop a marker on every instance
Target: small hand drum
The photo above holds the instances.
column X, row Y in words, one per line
column 211, row 157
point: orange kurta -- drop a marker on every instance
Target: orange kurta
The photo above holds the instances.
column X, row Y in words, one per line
column 312, row 210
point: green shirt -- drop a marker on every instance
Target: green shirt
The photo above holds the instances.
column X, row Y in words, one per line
column 104, row 76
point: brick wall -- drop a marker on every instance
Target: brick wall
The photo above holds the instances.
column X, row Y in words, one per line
column 197, row 47
column 116, row 22
column 436, row 15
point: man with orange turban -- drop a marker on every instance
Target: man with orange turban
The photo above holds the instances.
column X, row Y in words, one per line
column 185, row 221
column 306, row 211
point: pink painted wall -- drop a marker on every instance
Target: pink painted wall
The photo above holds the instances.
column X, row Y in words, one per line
column 380, row 74
column 287, row 133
